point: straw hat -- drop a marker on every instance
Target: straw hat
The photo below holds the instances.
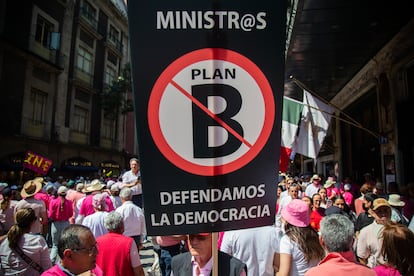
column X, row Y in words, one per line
column 379, row 202
column 329, row 183
column 95, row 185
column 316, row 177
column 395, row 200
column 30, row 188
column 39, row 179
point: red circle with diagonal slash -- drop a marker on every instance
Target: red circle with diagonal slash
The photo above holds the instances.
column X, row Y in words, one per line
column 165, row 79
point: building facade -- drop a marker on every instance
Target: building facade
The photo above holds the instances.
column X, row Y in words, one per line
column 57, row 60
column 380, row 98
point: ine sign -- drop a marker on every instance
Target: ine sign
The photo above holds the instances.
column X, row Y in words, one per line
column 208, row 86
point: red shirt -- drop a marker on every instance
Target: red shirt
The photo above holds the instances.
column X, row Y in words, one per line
column 316, row 217
column 340, row 264
column 114, row 257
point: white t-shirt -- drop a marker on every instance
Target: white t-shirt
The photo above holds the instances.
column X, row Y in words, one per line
column 255, row 247
column 369, row 243
column 312, row 189
column 299, row 264
column 95, row 222
column 134, row 220
column 129, row 177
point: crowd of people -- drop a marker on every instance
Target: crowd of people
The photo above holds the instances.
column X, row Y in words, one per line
column 70, row 227
column 364, row 212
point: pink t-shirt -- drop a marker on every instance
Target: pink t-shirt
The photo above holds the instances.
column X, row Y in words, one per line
column 60, row 214
column 383, row 270
column 56, row 270
column 87, row 209
column 349, row 199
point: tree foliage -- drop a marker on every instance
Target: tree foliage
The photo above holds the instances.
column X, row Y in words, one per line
column 114, row 99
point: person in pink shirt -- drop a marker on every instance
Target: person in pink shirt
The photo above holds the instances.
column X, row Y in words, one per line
column 60, row 210
column 74, row 195
column 331, row 191
column 396, row 249
column 41, row 195
column 169, row 247
column 77, row 251
column 337, row 235
column 87, row 208
column 348, row 196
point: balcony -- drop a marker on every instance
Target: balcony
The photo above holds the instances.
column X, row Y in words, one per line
column 35, row 129
column 88, row 21
column 79, row 138
column 52, row 56
column 83, row 76
column 115, row 44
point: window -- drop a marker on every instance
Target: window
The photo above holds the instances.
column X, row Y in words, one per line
column 87, row 39
column 112, row 58
column 84, row 60
column 80, row 119
column 110, row 75
column 108, row 130
column 38, row 100
column 43, row 30
column 82, row 96
column 113, row 34
column 89, row 11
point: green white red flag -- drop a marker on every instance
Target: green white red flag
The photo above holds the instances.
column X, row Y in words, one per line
column 291, row 117
column 304, row 127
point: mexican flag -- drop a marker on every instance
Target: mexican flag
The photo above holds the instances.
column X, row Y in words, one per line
column 304, row 127
column 316, row 118
column 291, row 117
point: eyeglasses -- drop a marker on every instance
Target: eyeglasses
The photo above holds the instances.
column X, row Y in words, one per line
column 91, row 251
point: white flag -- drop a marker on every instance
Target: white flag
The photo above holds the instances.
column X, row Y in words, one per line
column 316, row 117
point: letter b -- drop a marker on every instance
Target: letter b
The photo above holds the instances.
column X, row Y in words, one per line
column 202, row 121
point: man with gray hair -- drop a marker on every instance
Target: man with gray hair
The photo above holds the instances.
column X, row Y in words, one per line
column 132, row 179
column 337, row 236
column 133, row 217
column 78, row 251
column 118, row 254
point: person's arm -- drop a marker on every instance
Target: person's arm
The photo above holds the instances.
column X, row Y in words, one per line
column 276, row 263
column 79, row 219
column 43, row 214
column 285, row 264
column 363, row 261
column 51, row 212
column 136, row 260
column 362, row 252
column 45, row 261
column 139, row 271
